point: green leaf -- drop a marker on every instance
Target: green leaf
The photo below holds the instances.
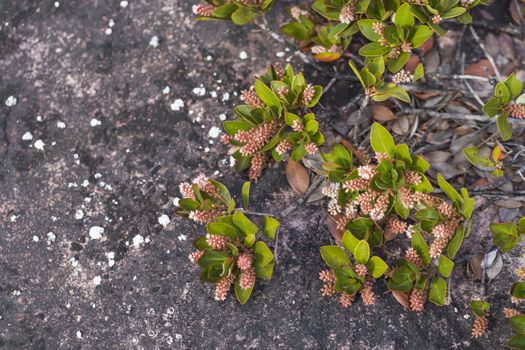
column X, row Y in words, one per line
column 521, row 225
column 211, row 257
column 437, row 291
column 246, row 194
column 448, row 189
column 242, row 294
column 421, row 247
column 514, row 85
column 223, row 191
column 454, row 12
column 419, row 72
column 357, row 73
column 518, row 290
column 455, row 243
column 233, row 126
column 505, row 235
column 399, row 93
column 318, row 92
column 376, row 266
column 492, row 107
column 366, row 28
column 504, row 127
column 362, row 252
column 404, row 18
column 334, row 256
column 270, row 227
column 349, row 241
column 244, row 224
column 267, row 96
column 249, row 240
column 518, row 323
column 521, row 99
column 445, row 266
column 296, row 30
column 502, row 92
column 222, row 229
column 263, row 254
column 200, row 243
column 360, row 227
column 381, row 140
column 373, row 49
column 422, row 34
column 243, row 15
column 311, row 127
column 517, row 342
column 480, row 308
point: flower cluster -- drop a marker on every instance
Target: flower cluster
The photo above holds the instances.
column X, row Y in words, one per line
column 203, row 199
column 346, row 279
column 274, row 120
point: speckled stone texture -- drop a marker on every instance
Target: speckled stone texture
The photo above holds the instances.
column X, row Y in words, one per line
column 96, row 139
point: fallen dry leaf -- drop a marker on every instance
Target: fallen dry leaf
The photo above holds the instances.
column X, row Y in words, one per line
column 332, row 228
column 412, row 63
column 427, row 46
column 426, row 95
column 478, row 68
column 297, row 176
column 382, row 113
column 402, row 298
column 516, row 13
column 401, row 126
column 475, row 266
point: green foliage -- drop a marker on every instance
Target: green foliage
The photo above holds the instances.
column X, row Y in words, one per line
column 230, row 238
column 507, row 234
column 240, row 13
column 507, row 96
column 278, row 108
column 480, row 308
column 492, row 164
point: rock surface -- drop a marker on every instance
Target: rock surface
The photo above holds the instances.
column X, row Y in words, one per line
column 115, row 103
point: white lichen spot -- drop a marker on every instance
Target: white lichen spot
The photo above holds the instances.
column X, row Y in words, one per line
column 178, row 336
column 225, row 96
column 176, row 201
column 111, row 23
column 27, row 136
column 214, row 132
column 280, row 54
column 79, row 334
column 95, row 122
column 232, row 162
column 51, row 237
column 57, row 4
column 222, row 117
column 199, row 91
column 177, row 105
column 182, row 237
column 124, row 4
column 213, row 94
column 13, row 218
column 39, row 145
column 61, row 125
column 164, row 220
column 209, row 58
column 35, row 238
column 166, row 90
column 11, row 101
column 111, row 258
column 138, row 240
column 243, row 55
column 97, row 280
column 108, row 31
column 154, row 41
column 96, row 232
column 79, row 214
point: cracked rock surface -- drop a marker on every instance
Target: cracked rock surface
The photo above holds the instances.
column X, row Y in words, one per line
column 106, row 106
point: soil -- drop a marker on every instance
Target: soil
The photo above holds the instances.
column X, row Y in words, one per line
column 108, row 121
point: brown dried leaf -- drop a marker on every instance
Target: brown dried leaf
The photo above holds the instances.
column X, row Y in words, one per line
column 401, row 126
column 509, row 203
column 432, row 61
column 297, row 176
column 332, row 228
column 516, row 13
column 482, row 182
column 426, row 95
column 402, row 298
column 427, row 46
column 478, row 68
column 475, row 266
column 507, row 46
column 382, row 113
column 412, row 63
